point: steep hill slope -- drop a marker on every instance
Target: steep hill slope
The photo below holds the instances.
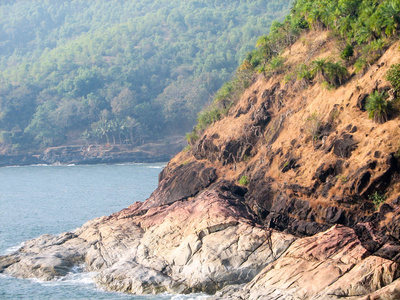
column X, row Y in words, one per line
column 313, row 148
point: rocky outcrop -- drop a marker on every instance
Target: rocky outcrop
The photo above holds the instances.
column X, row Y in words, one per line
column 329, row 265
column 186, row 181
column 202, row 244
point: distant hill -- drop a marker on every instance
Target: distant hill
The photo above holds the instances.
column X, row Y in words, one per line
column 118, row 71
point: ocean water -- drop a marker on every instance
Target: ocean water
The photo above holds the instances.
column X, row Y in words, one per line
column 35, row 200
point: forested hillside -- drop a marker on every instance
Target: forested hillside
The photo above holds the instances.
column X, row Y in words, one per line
column 118, row 71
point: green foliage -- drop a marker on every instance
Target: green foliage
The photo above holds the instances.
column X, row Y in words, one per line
column 326, row 71
column 378, row 108
column 304, row 75
column 225, row 93
column 365, row 25
column 360, row 20
column 276, row 64
column 288, row 77
column 336, row 73
column 393, row 76
column 377, row 199
column 244, row 180
column 207, row 117
column 370, row 24
column 347, row 52
column 360, row 66
column 191, row 138
column 372, row 51
column 282, row 35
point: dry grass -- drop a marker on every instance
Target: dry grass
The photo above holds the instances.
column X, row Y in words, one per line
column 298, row 105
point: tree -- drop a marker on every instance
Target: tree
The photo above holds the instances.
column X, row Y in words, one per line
column 347, row 52
column 393, row 76
column 378, row 108
column 123, row 105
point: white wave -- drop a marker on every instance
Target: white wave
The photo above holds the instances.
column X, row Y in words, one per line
column 189, row 297
column 75, row 277
column 4, row 275
column 14, row 248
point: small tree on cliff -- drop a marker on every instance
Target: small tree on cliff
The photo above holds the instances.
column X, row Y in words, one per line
column 378, row 108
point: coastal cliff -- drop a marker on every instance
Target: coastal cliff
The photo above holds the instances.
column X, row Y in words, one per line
column 277, row 200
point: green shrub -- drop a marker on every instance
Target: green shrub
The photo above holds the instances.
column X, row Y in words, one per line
column 319, row 69
column 288, row 77
column 304, row 75
column 361, row 66
column 377, row 199
column 336, row 73
column 393, row 76
column 192, row 137
column 276, row 64
column 378, row 108
column 244, row 180
column 347, row 52
column 207, row 117
column 224, row 92
column 372, row 51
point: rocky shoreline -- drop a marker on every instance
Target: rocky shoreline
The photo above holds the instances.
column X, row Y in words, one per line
column 96, row 154
column 205, row 238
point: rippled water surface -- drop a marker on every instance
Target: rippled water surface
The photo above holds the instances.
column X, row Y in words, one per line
column 35, row 200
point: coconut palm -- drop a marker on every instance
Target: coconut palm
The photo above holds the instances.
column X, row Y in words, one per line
column 319, row 69
column 378, row 108
column 390, row 11
column 336, row 74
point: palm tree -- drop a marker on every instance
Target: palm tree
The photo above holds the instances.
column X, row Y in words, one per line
column 378, row 108
column 363, row 33
column 336, row 73
column 390, row 11
column 319, row 69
